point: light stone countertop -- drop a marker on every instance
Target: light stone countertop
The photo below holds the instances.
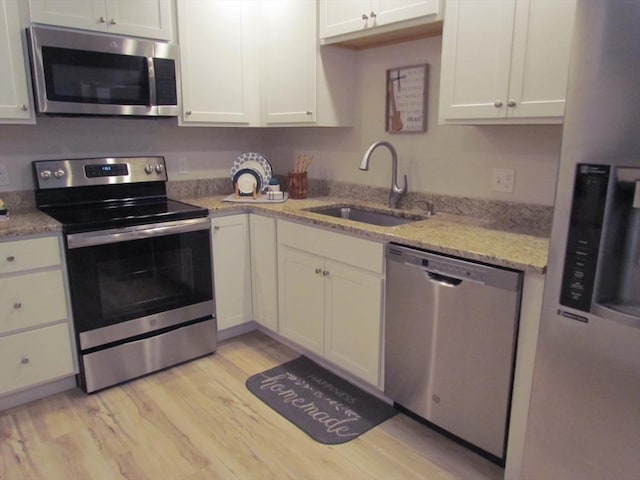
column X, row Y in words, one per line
column 457, row 235
column 461, row 236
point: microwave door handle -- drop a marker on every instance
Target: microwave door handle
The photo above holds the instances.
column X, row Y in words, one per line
column 153, row 101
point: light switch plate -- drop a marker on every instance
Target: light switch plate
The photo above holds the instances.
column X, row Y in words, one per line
column 503, row 179
column 4, row 175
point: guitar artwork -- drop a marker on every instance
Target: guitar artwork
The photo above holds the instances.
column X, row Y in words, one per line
column 395, row 122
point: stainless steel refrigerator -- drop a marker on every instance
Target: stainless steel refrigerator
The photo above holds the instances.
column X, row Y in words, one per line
column 584, row 417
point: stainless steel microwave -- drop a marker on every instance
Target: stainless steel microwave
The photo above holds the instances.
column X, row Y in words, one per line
column 86, row 73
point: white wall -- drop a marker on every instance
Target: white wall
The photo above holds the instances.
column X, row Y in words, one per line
column 452, row 160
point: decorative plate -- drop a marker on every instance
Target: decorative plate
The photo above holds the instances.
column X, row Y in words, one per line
column 256, row 162
column 247, row 181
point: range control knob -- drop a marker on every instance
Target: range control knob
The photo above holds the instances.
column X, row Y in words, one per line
column 45, row 174
column 58, row 173
column 159, row 169
column 148, row 169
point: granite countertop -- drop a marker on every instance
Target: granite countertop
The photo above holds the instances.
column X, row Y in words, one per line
column 457, row 235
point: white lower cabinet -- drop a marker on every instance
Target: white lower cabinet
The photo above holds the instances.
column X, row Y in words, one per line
column 330, row 296
column 35, row 333
column 264, row 268
column 231, row 270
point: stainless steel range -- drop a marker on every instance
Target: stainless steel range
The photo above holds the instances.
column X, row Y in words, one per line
column 139, row 266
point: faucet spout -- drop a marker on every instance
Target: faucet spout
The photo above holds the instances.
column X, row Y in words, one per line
column 396, row 192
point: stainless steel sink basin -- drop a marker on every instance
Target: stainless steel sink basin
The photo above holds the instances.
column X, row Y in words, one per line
column 363, row 215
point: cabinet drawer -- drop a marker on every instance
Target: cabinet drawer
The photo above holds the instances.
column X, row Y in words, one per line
column 336, row 246
column 31, row 299
column 33, row 357
column 22, row 255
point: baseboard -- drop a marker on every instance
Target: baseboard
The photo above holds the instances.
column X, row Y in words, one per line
column 37, row 393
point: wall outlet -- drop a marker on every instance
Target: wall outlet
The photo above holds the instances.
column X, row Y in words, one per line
column 503, row 179
column 4, row 175
column 183, row 166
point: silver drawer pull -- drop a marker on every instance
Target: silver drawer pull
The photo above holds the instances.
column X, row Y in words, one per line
column 17, row 305
column 24, row 360
column 318, row 270
column 10, row 258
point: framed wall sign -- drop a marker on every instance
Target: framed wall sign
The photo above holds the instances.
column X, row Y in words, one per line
column 406, row 106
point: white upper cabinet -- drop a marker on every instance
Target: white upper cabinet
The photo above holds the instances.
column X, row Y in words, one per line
column 140, row 18
column 15, row 101
column 219, row 71
column 288, row 70
column 505, row 61
column 353, row 19
column 258, row 63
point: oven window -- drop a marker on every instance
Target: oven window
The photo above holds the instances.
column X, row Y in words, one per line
column 116, row 282
column 92, row 77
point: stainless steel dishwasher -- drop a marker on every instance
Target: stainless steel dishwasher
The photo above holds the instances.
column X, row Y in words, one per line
column 450, row 336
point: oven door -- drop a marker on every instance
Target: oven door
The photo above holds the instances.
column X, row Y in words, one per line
column 126, row 283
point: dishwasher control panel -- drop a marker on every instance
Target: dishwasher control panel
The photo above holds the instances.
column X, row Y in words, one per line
column 454, row 267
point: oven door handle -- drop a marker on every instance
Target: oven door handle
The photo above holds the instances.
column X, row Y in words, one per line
column 138, row 232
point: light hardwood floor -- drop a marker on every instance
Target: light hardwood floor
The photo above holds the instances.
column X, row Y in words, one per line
column 198, row 421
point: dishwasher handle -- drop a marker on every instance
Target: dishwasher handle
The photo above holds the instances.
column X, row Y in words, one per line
column 442, row 279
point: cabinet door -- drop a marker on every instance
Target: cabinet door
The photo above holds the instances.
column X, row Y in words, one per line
column 476, row 52
column 32, row 299
column 231, row 270
column 264, row 271
column 141, row 18
column 86, row 14
column 219, row 73
column 338, row 17
column 539, row 73
column 289, row 54
column 301, row 298
column 391, row 11
column 14, row 94
column 33, row 357
column 353, row 306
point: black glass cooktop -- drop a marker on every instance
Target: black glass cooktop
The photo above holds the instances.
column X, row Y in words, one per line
column 89, row 217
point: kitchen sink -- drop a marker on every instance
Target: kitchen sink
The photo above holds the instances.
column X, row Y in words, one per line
column 364, row 215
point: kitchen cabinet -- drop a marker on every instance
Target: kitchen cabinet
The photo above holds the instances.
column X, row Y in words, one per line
column 264, row 271
column 15, row 99
column 505, row 61
column 350, row 20
column 330, row 296
column 140, row 18
column 231, row 270
column 258, row 63
column 35, row 333
column 218, row 68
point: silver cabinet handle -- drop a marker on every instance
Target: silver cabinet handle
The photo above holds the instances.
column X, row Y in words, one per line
column 497, row 104
column 373, row 14
column 10, row 258
column 112, row 21
column 325, row 273
column 24, row 360
column 365, row 16
column 24, row 107
column 102, row 20
column 511, row 103
column 188, row 112
column 216, row 227
column 318, row 271
column 17, row 305
column 309, row 112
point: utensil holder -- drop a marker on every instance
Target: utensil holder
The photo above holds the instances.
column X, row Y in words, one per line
column 298, row 185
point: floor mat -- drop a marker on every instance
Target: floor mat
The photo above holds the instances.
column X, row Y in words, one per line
column 326, row 407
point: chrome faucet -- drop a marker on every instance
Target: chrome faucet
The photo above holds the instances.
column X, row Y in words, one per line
column 396, row 192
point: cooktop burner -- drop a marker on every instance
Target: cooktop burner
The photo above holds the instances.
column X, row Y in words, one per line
column 104, row 193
